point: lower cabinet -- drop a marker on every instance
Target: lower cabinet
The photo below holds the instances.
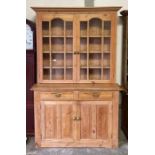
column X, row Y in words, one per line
column 76, row 123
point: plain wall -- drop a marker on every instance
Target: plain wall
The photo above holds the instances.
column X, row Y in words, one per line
column 30, row 14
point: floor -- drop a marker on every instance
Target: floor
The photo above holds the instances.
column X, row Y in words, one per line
column 122, row 150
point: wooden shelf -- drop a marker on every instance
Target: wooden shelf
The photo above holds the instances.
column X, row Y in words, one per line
column 69, row 36
column 95, row 67
column 84, row 36
column 69, row 67
column 106, row 67
column 46, row 67
column 57, row 67
column 93, row 52
column 95, row 36
column 46, row 36
column 46, row 52
column 57, row 52
column 106, row 52
column 57, row 36
column 69, row 52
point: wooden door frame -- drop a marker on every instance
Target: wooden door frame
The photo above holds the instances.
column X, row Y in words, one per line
column 42, row 125
column 103, row 16
column 98, row 142
column 43, row 17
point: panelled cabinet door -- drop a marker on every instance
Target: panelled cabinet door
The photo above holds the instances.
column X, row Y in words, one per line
column 57, row 122
column 95, row 39
column 57, row 48
column 95, row 125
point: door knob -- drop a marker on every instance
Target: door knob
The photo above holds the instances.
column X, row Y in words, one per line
column 78, row 118
column 74, row 118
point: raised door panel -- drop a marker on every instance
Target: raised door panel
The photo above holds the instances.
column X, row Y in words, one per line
column 95, row 123
column 57, row 122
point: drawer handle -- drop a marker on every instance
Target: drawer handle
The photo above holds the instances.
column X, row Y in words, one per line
column 96, row 94
column 58, row 95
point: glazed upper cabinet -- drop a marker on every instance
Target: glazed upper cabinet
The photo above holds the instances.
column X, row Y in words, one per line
column 76, row 48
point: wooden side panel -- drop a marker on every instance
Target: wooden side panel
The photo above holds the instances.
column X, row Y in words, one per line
column 115, row 119
column 102, row 121
column 88, row 121
column 50, row 121
column 85, row 121
column 67, row 121
column 37, row 118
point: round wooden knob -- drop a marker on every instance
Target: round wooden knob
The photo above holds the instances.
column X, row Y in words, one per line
column 78, row 118
column 74, row 118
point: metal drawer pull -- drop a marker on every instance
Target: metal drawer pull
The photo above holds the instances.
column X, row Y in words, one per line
column 58, row 95
column 96, row 94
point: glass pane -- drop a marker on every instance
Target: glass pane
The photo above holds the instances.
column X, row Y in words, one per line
column 46, row 74
column 69, row 74
column 83, row 44
column 69, row 60
column 83, row 73
column 95, row 60
column 45, row 28
column 95, row 27
column 106, row 44
column 83, row 28
column 69, row 28
column 69, row 44
column 57, row 60
column 57, row 27
column 58, row 74
column 94, row 74
column 46, row 47
column 107, row 28
column 106, row 59
column 57, row 44
column 94, row 44
column 46, row 60
column 83, row 60
column 106, row 73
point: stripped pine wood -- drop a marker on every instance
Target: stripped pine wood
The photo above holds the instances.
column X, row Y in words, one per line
column 76, row 97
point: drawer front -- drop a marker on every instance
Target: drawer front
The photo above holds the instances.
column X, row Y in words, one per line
column 57, row 96
column 95, row 95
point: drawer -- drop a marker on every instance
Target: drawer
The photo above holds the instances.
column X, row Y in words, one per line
column 95, row 95
column 57, row 96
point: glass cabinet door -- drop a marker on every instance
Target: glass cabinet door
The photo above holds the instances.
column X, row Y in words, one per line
column 95, row 50
column 57, row 50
